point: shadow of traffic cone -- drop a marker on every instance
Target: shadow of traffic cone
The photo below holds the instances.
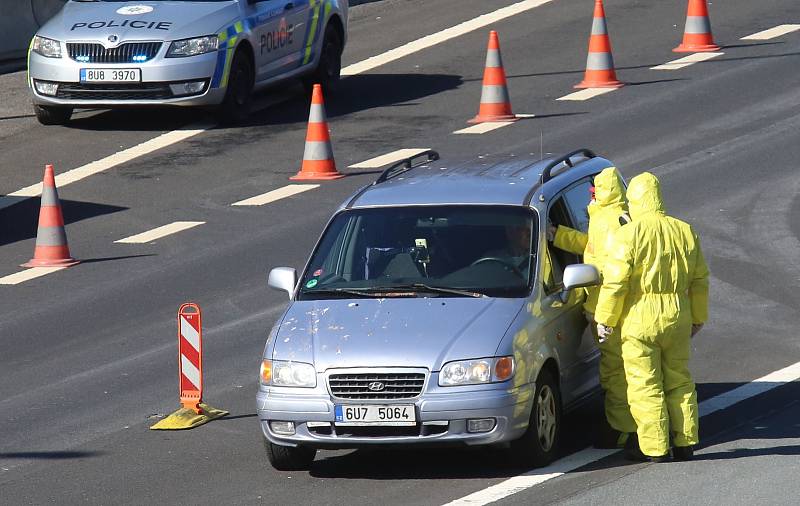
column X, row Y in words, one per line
column 495, row 104
column 51, row 238
column 697, row 36
column 318, row 160
column 599, row 63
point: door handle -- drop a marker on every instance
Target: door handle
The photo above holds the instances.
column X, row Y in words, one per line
column 288, row 6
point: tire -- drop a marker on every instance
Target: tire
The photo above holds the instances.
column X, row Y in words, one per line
column 235, row 108
column 289, row 458
column 539, row 446
column 49, row 115
column 329, row 67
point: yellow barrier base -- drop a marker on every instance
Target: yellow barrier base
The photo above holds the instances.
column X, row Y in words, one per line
column 186, row 418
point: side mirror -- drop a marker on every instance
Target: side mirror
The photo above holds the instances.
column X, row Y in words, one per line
column 283, row 278
column 579, row 276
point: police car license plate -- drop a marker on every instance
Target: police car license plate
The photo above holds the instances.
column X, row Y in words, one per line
column 111, row 75
column 393, row 414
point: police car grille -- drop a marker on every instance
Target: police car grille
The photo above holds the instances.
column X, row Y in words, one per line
column 396, row 385
column 130, row 52
column 114, row 91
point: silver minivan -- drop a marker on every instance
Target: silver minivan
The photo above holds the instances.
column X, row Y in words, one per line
column 434, row 311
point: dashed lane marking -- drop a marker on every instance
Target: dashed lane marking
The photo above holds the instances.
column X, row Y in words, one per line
column 587, row 93
column 686, row 61
column 158, row 233
column 394, row 156
column 772, row 32
column 106, row 163
column 28, row 274
column 482, row 128
column 272, row 196
column 351, row 70
column 587, row 456
column 442, row 36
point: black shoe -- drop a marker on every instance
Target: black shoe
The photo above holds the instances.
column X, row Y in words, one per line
column 634, row 453
column 683, row 453
column 607, row 439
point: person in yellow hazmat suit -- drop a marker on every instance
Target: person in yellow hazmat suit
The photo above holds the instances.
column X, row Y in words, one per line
column 655, row 289
column 607, row 213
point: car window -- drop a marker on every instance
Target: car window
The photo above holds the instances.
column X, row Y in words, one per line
column 577, row 199
column 556, row 259
column 484, row 249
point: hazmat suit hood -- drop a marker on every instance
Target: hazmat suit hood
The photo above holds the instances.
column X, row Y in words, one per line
column 608, row 188
column 644, row 196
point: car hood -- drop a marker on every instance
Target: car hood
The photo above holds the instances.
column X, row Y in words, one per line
column 396, row 332
column 166, row 21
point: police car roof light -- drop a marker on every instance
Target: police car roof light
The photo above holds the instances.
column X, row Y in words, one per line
column 407, row 164
column 565, row 160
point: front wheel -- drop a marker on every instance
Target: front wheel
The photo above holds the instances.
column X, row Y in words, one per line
column 50, row 115
column 235, row 108
column 539, row 445
column 329, row 67
column 289, row 458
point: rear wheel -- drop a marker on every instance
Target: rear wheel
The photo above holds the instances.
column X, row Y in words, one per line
column 235, row 108
column 289, row 458
column 329, row 67
column 539, row 445
column 50, row 115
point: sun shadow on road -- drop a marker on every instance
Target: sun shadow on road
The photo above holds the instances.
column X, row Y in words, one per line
column 20, row 220
column 44, row 455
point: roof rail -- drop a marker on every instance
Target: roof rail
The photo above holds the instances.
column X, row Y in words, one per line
column 406, row 164
column 547, row 171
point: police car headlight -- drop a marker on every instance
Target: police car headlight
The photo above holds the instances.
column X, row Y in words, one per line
column 46, row 47
column 192, row 47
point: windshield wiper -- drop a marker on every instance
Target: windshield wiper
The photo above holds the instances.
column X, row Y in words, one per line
column 417, row 287
column 358, row 292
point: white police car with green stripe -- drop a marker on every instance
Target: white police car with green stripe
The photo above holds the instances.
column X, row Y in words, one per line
column 111, row 53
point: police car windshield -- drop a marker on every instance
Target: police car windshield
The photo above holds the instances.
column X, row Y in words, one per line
column 479, row 249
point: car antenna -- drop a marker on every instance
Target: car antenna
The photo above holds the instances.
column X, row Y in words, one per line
column 541, row 145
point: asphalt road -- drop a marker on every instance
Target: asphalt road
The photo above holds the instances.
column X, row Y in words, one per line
column 87, row 357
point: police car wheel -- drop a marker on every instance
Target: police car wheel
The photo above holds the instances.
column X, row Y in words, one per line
column 539, row 445
column 48, row 115
column 329, row 67
column 235, row 107
column 287, row 458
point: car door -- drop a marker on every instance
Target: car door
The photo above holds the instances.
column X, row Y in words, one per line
column 278, row 26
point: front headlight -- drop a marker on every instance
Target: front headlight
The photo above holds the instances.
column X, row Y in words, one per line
column 46, row 47
column 476, row 372
column 192, row 47
column 288, row 374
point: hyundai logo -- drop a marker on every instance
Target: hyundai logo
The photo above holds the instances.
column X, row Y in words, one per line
column 376, row 386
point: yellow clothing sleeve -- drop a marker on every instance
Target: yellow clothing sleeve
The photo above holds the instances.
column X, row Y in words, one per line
column 571, row 240
column 698, row 287
column 616, row 276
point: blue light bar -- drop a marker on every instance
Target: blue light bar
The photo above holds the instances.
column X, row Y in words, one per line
column 82, row 58
column 140, row 58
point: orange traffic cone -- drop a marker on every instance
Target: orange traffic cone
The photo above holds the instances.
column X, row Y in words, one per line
column 697, row 36
column 599, row 64
column 318, row 155
column 495, row 104
column 51, row 238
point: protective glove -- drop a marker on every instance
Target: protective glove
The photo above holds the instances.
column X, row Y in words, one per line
column 551, row 232
column 603, row 331
column 696, row 328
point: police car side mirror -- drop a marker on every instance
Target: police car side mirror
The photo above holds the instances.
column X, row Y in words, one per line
column 283, row 278
column 578, row 276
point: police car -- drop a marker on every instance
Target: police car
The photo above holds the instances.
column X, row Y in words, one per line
column 111, row 53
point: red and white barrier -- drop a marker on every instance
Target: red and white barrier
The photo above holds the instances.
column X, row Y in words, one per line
column 190, row 355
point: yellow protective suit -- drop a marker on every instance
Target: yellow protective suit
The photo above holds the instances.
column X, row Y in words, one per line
column 655, row 286
column 604, row 219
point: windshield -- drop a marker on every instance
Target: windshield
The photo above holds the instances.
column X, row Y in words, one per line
column 402, row 251
column 150, row 1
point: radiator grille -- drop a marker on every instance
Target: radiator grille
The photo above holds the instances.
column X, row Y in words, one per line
column 395, row 385
column 129, row 52
column 114, row 91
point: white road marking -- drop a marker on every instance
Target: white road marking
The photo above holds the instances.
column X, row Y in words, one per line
column 394, row 156
column 158, row 233
column 28, row 274
column 106, row 163
column 587, row 93
column 351, row 70
column 272, row 196
column 482, row 128
column 442, row 36
column 686, row 61
column 772, row 32
column 588, row 455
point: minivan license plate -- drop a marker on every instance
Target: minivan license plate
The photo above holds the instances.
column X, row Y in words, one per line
column 111, row 75
column 390, row 414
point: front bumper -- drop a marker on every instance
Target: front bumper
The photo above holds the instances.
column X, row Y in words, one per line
column 441, row 418
column 154, row 88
